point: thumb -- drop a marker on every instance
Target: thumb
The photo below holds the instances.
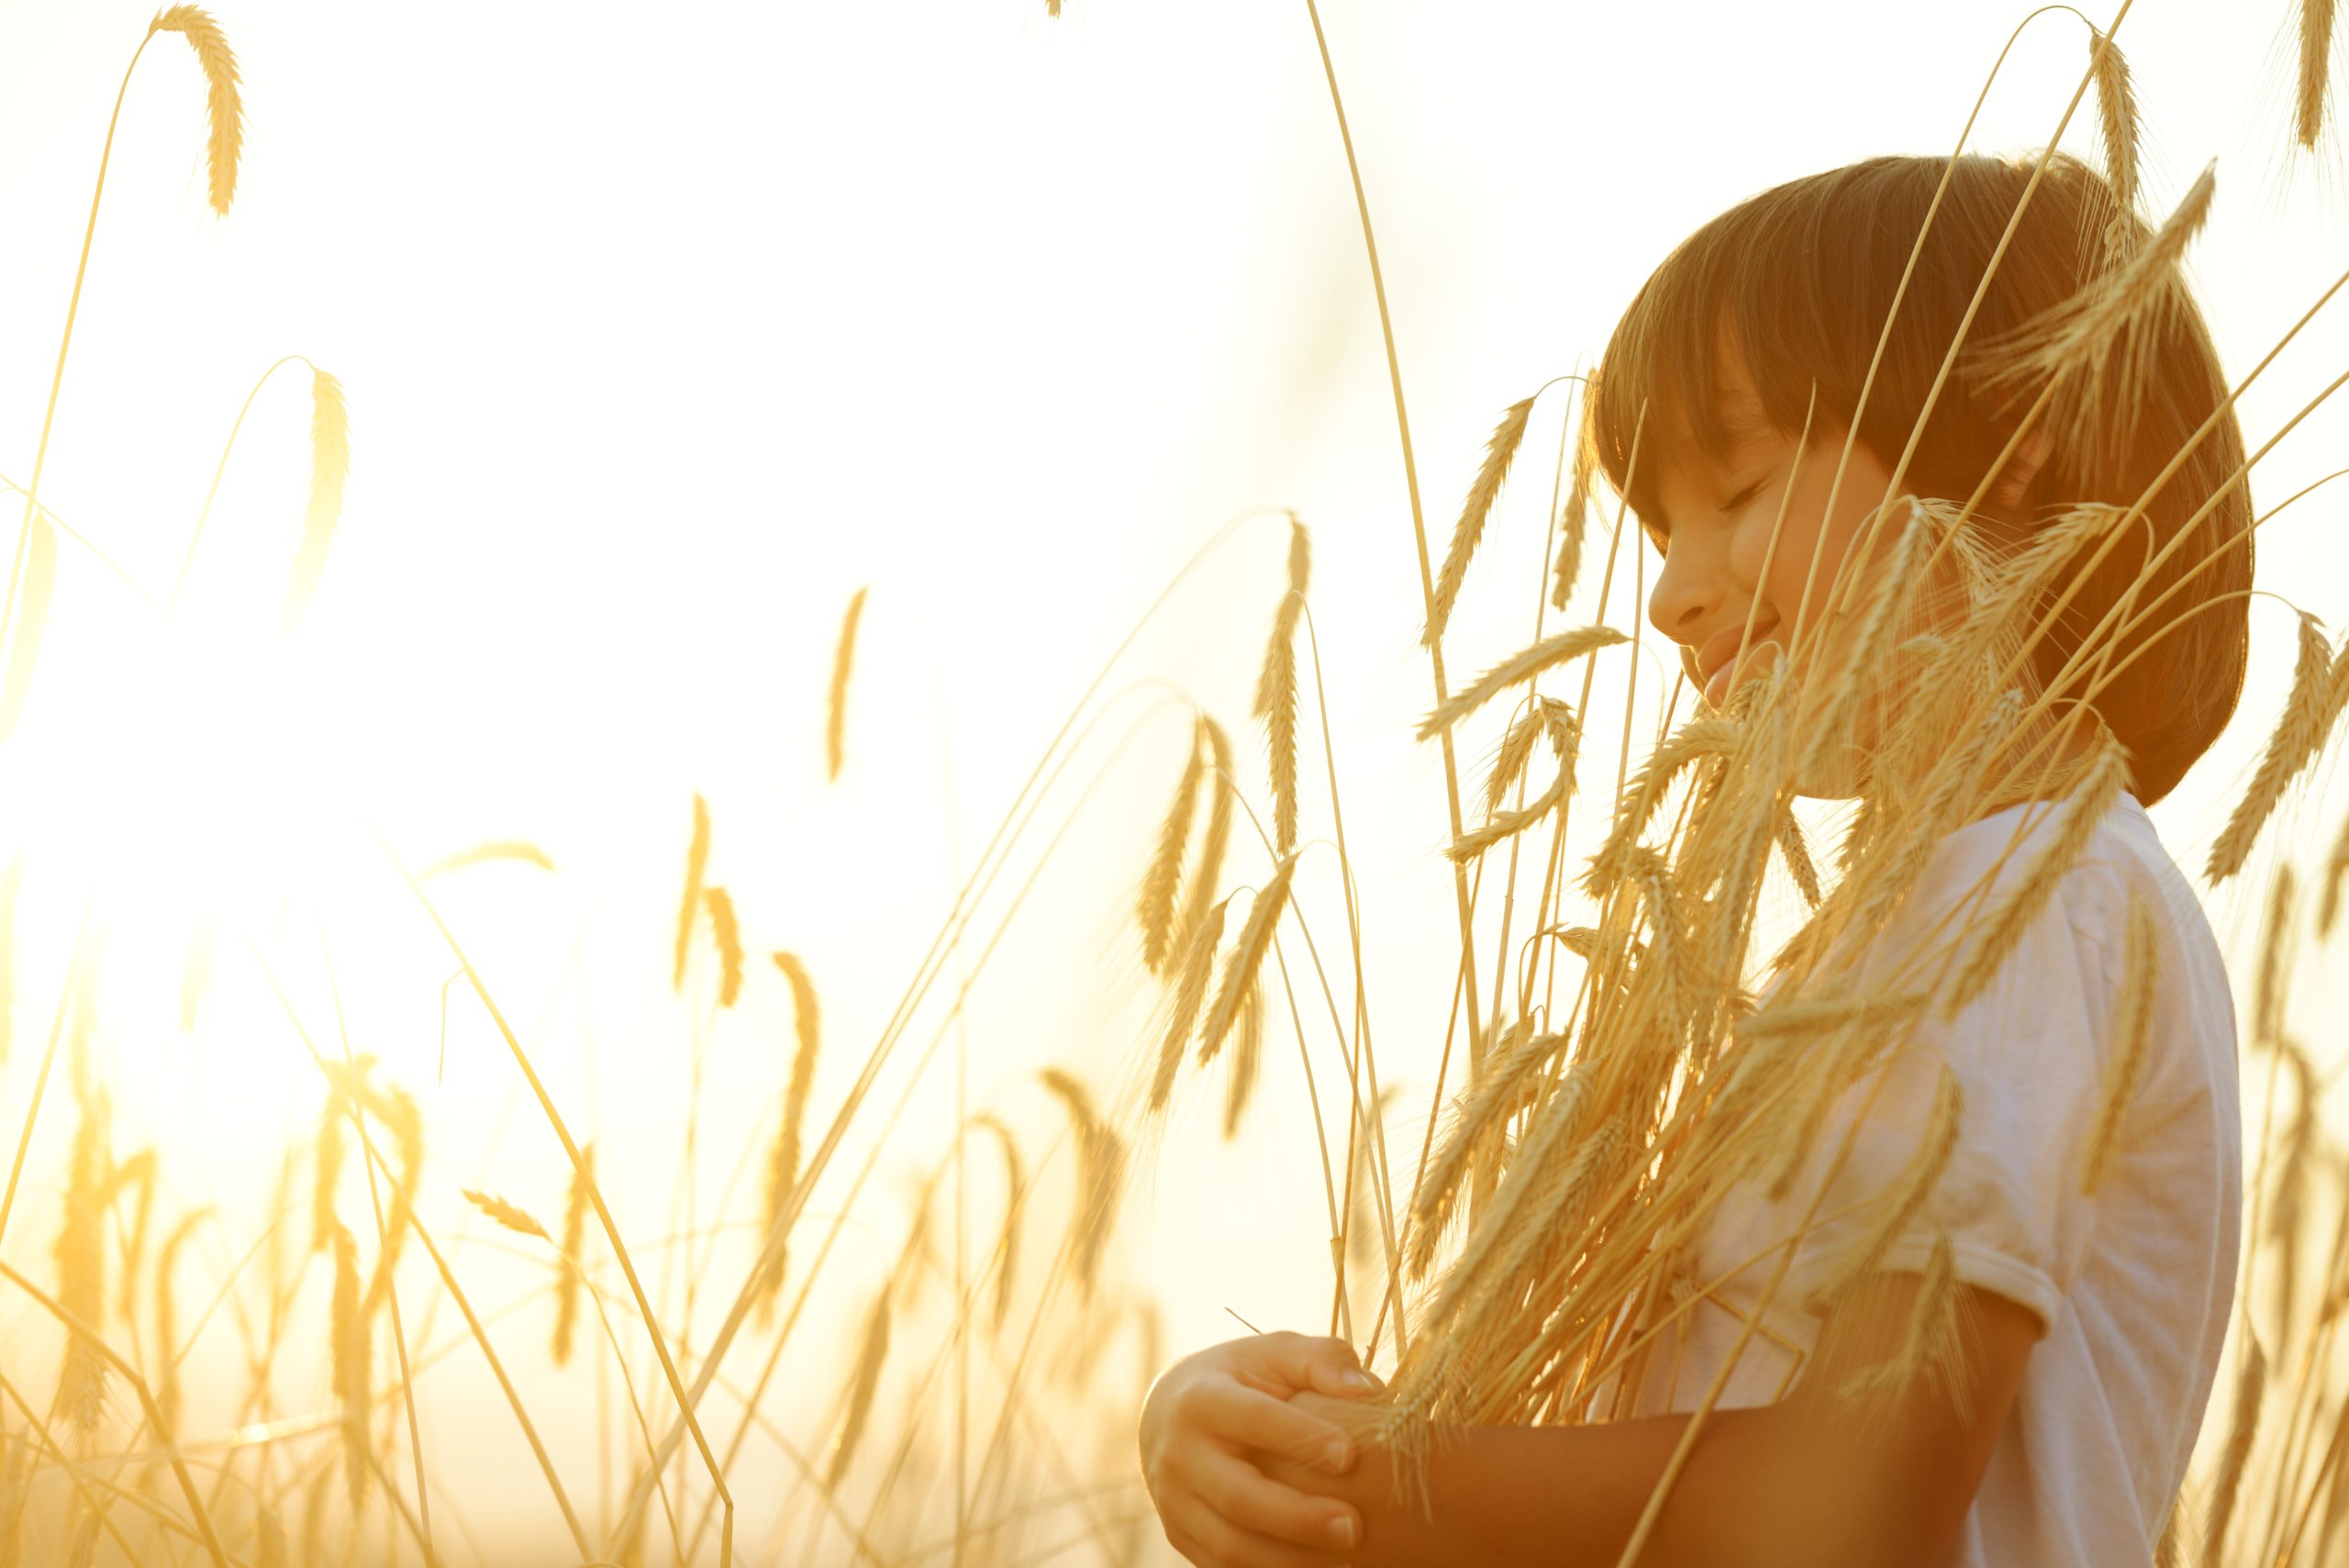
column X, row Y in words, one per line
column 1320, row 1362
column 1336, row 1370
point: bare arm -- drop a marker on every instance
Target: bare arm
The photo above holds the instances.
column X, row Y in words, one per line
column 1796, row 1485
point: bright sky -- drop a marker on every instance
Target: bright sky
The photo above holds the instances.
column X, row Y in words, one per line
column 665, row 329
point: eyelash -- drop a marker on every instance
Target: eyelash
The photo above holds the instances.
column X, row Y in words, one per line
column 1743, row 497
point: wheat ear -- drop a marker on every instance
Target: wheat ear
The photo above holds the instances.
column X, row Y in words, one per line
column 167, row 1371
column 2081, row 339
column 574, row 1235
column 2335, row 864
column 224, row 105
column 1276, row 689
column 697, row 863
column 2133, row 1016
column 329, row 470
column 2092, row 799
column 1935, row 1342
column 1905, row 1198
column 2116, row 102
column 1190, row 991
column 2251, row 1388
column 783, row 1164
column 873, row 1351
column 1015, row 1189
column 1247, row 1055
column 2309, row 713
column 351, row 1369
column 1154, row 905
column 836, row 720
column 1547, row 654
column 1101, row 1158
column 512, row 1215
column 2275, row 941
column 1573, row 526
column 81, row 1256
column 1499, row 452
column 730, row 943
column 2316, row 69
column 10, row 880
column 1246, row 958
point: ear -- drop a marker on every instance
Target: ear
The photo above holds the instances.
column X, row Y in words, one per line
column 2014, row 481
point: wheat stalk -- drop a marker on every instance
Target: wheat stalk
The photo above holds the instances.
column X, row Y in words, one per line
column 23, row 643
column 836, row 710
column 1500, row 450
column 10, row 881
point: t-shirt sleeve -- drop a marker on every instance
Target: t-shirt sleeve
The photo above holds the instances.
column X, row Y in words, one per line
column 2026, row 1055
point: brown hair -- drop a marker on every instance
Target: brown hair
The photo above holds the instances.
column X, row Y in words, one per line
column 1803, row 277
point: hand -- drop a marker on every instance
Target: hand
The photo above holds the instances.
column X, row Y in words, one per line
column 1204, row 1415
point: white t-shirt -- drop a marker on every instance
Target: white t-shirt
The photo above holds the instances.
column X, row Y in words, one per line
column 2133, row 1283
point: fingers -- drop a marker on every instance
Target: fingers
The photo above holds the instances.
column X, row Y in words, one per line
column 1318, row 1362
column 1233, row 1507
column 1256, row 1420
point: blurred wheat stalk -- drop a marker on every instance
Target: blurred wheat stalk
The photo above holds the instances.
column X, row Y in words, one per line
column 1544, row 1188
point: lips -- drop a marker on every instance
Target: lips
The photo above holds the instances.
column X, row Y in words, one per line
column 1721, row 647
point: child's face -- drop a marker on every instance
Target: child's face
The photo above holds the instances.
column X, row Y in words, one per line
column 1720, row 568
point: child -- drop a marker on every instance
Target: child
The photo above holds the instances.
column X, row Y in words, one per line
column 2092, row 1313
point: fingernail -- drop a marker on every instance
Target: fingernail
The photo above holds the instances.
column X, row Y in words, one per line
column 1358, row 1381
column 1334, row 1455
column 1341, row 1530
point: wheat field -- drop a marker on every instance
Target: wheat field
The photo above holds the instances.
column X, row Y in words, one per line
column 335, row 1233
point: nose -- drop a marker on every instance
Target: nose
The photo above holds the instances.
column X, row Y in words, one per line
column 1686, row 596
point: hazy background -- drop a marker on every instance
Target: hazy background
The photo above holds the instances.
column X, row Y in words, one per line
column 665, row 329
